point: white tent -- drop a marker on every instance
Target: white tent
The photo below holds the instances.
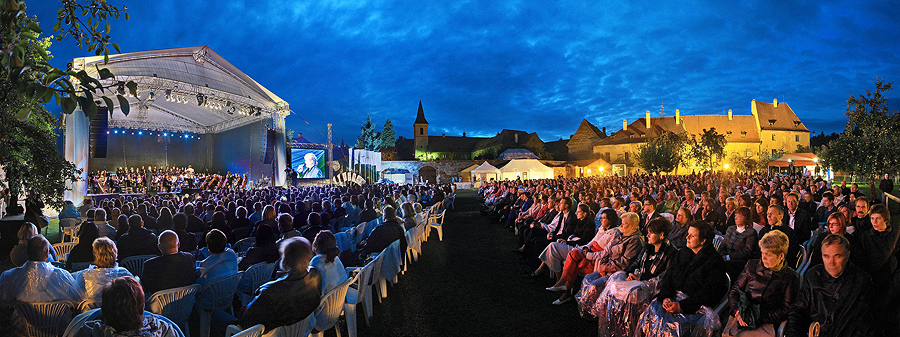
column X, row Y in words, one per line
column 485, row 172
column 526, row 169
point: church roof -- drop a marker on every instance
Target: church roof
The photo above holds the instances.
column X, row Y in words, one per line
column 420, row 116
column 587, row 127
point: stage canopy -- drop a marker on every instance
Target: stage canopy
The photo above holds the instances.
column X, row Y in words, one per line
column 797, row 159
column 485, row 172
column 517, row 154
column 190, row 89
column 526, row 169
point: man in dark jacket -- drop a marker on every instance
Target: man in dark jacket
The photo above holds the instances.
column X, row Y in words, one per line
column 558, row 228
column 137, row 241
column 290, row 298
column 171, row 270
column 886, row 185
column 649, row 213
column 835, row 294
column 797, row 219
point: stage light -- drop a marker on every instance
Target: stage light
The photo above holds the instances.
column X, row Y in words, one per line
column 107, row 132
column 200, row 99
column 169, row 95
column 166, row 134
column 140, row 133
column 116, row 131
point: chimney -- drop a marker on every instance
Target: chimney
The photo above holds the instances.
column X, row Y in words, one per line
column 464, row 133
column 648, row 119
column 443, row 135
column 776, row 103
column 516, row 138
column 677, row 117
column 729, row 114
column 604, row 130
column 624, row 125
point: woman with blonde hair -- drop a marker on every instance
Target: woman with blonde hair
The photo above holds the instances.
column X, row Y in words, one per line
column 762, row 294
column 92, row 280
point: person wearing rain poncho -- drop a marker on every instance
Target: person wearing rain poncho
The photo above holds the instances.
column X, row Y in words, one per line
column 627, row 292
column 695, row 283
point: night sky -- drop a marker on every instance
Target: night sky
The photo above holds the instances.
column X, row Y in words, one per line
column 536, row 66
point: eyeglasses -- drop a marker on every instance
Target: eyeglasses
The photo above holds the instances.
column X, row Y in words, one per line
column 834, row 224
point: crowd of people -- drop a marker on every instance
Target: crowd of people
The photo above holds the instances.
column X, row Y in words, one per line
column 160, row 179
column 191, row 236
column 655, row 255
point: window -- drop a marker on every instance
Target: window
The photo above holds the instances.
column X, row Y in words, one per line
column 748, row 153
column 421, row 131
column 797, row 138
column 773, row 137
column 630, row 136
column 626, row 156
column 727, row 134
column 772, row 122
column 743, row 134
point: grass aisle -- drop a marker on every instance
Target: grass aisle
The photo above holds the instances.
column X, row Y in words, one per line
column 470, row 285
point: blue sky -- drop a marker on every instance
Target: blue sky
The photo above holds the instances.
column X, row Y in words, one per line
column 536, row 66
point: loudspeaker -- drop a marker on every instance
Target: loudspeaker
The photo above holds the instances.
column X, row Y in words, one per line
column 270, row 147
column 99, row 133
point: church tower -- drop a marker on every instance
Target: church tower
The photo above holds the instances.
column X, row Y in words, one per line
column 420, row 133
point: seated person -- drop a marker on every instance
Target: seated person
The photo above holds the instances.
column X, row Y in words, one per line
column 36, row 281
column 92, row 280
column 635, row 285
column 874, row 251
column 563, row 222
column 836, row 224
column 678, row 236
column 381, row 237
column 83, row 250
column 186, row 240
column 103, row 226
column 171, row 270
column 122, row 314
column 621, row 252
column 327, row 261
column 739, row 244
column 290, row 298
column 137, row 241
column 221, row 261
column 69, row 211
column 314, row 225
column 836, row 295
column 556, row 252
column 767, row 283
column 774, row 215
column 693, row 284
column 265, row 249
column 19, row 254
column 286, row 227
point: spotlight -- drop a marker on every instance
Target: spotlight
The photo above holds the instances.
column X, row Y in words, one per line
column 140, row 133
column 200, row 99
column 116, row 131
column 166, row 134
column 169, row 95
column 107, row 132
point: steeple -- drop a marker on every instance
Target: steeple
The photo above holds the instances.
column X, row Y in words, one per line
column 420, row 117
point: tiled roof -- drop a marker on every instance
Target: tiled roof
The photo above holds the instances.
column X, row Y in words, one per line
column 781, row 118
column 420, row 116
column 637, row 131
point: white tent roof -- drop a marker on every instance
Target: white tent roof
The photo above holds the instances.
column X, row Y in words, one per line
column 525, row 165
column 172, row 82
column 485, row 168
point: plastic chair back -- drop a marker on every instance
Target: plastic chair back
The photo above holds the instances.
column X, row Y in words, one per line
column 78, row 322
column 135, row 264
column 89, row 305
column 331, row 306
column 370, row 226
column 44, row 319
column 241, row 247
column 218, row 293
column 724, row 302
column 63, row 249
column 717, row 241
column 363, row 281
column 175, row 304
column 254, row 331
column 255, row 276
column 391, row 260
column 301, row 328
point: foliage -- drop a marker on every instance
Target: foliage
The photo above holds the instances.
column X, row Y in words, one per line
column 871, row 140
column 752, row 164
column 25, row 62
column 662, row 154
column 709, row 150
column 387, row 138
column 367, row 139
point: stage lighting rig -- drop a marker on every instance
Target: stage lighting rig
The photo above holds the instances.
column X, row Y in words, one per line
column 200, row 99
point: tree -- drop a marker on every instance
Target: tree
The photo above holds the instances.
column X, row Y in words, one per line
column 367, row 139
column 24, row 60
column 387, row 138
column 870, row 143
column 709, row 150
column 662, row 154
column 29, row 156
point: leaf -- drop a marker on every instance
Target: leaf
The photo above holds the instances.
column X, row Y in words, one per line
column 126, row 15
column 116, row 46
column 109, row 103
column 123, row 104
column 132, row 88
column 68, row 104
column 57, row 27
column 23, row 114
column 107, row 28
column 105, row 73
column 35, row 27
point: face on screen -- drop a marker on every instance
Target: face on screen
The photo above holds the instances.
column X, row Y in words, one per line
column 310, row 160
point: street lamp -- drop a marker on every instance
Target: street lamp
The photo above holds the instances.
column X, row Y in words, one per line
column 727, row 166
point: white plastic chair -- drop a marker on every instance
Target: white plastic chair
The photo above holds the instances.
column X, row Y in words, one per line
column 255, row 276
column 69, row 228
column 437, row 222
column 254, row 331
column 215, row 295
column 300, row 329
column 135, row 264
column 242, row 246
column 175, row 304
column 330, row 309
column 391, row 266
column 718, row 309
column 89, row 304
column 452, row 200
column 46, row 318
column 717, row 241
column 63, row 250
column 362, row 293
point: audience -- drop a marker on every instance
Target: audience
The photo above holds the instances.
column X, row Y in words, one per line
column 138, row 240
column 264, row 250
column 83, row 251
column 122, row 313
column 91, row 281
column 103, row 227
column 222, row 261
column 327, row 262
